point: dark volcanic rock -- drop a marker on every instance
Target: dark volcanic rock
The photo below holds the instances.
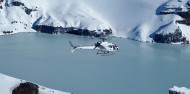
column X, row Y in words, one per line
column 185, row 15
column 71, row 30
column 26, row 88
column 171, row 38
column 164, row 10
column 17, row 3
column 174, row 92
column 1, row 1
column 28, row 11
column 186, row 22
column 50, row 29
column 179, row 90
column 7, row 32
column 1, row 7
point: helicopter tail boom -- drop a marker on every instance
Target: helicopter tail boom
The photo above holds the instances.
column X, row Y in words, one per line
column 72, row 46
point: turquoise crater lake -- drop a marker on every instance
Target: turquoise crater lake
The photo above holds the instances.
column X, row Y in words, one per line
column 138, row 68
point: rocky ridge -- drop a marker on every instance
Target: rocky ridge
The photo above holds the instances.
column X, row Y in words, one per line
column 174, row 7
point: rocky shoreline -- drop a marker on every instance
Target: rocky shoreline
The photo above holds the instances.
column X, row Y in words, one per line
column 169, row 38
column 72, row 30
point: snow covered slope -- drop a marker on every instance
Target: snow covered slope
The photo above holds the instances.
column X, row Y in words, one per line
column 140, row 19
column 23, row 15
column 179, row 90
column 135, row 19
column 8, row 85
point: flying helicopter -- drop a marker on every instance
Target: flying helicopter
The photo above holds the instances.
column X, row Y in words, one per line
column 103, row 47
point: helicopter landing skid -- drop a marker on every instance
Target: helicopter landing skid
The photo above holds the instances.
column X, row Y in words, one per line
column 104, row 53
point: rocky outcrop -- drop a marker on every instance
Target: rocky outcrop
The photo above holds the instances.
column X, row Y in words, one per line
column 175, row 37
column 26, row 88
column 1, row 7
column 186, row 18
column 7, row 32
column 1, row 1
column 185, row 15
column 182, row 10
column 172, row 32
column 174, row 92
column 72, row 30
column 26, row 9
column 185, row 21
column 10, row 85
column 17, row 3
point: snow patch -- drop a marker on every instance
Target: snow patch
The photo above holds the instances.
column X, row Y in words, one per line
column 180, row 90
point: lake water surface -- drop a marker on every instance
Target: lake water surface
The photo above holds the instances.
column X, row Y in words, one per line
column 138, row 68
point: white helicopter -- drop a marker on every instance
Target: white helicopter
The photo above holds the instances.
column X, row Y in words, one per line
column 103, row 47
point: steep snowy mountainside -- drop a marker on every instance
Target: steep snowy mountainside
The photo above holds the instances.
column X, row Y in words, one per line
column 125, row 15
column 14, row 18
column 122, row 15
column 134, row 19
column 179, row 8
column 73, row 15
column 10, row 85
column 141, row 19
column 60, row 13
column 160, row 29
